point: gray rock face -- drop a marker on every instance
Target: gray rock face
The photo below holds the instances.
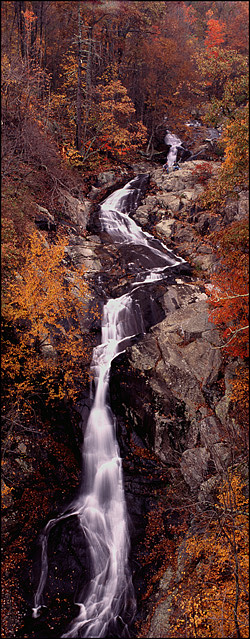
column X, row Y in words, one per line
column 243, row 205
column 108, row 177
column 194, row 466
column 159, row 625
column 77, row 210
column 177, row 217
column 83, row 252
column 236, row 209
column 172, row 369
column 210, row 432
column 171, row 204
column 165, row 228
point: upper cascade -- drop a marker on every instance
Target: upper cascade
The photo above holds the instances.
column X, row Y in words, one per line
column 174, row 142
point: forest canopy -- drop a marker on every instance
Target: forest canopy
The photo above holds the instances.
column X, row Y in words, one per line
column 101, row 76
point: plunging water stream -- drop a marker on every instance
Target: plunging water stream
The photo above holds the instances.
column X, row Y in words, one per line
column 174, row 142
column 107, row 606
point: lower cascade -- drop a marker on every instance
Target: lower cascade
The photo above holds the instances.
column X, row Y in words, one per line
column 107, row 605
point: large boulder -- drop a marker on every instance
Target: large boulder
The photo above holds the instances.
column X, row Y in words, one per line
column 77, row 210
column 236, row 209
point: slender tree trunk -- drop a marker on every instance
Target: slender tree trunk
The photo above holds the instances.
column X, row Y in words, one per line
column 20, row 9
column 79, row 84
column 33, row 36
column 88, row 81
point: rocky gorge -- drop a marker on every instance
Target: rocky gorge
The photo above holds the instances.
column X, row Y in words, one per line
column 169, row 391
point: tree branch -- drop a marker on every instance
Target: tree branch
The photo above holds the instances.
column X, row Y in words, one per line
column 231, row 297
column 237, row 330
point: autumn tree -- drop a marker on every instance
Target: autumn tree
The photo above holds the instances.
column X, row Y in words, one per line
column 229, row 289
column 228, row 298
column 229, row 19
column 158, row 65
column 215, row 35
column 211, row 597
column 110, row 129
column 120, row 134
column 222, row 79
column 43, row 348
column 236, row 21
column 223, row 87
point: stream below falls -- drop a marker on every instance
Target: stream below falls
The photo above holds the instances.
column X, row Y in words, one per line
column 104, row 597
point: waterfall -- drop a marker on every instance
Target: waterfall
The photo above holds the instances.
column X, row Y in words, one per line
column 107, row 607
column 174, row 142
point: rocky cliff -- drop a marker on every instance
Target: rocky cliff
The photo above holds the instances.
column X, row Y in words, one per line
column 170, row 391
column 172, row 387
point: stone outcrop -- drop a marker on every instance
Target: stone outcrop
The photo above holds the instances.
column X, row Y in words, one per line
column 176, row 405
column 172, row 385
column 175, row 190
column 44, row 220
column 169, row 212
column 166, row 384
column 82, row 252
column 177, row 219
column 77, row 210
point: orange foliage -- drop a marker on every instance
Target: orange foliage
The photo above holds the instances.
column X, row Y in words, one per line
column 237, row 28
column 235, row 169
column 118, row 135
column 43, row 305
column 239, row 397
column 190, row 14
column 215, row 33
column 211, row 599
column 229, row 295
column 208, row 578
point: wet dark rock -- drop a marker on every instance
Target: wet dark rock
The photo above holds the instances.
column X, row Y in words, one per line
column 183, row 154
column 68, row 560
column 103, row 187
column 206, row 223
column 68, row 573
column 93, row 224
column 45, row 225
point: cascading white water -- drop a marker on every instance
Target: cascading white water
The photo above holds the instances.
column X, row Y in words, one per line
column 124, row 230
column 174, row 142
column 108, row 605
column 102, row 507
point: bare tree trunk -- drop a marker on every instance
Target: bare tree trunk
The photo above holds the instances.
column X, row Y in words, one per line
column 33, row 35
column 79, row 84
column 88, row 81
column 20, row 9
